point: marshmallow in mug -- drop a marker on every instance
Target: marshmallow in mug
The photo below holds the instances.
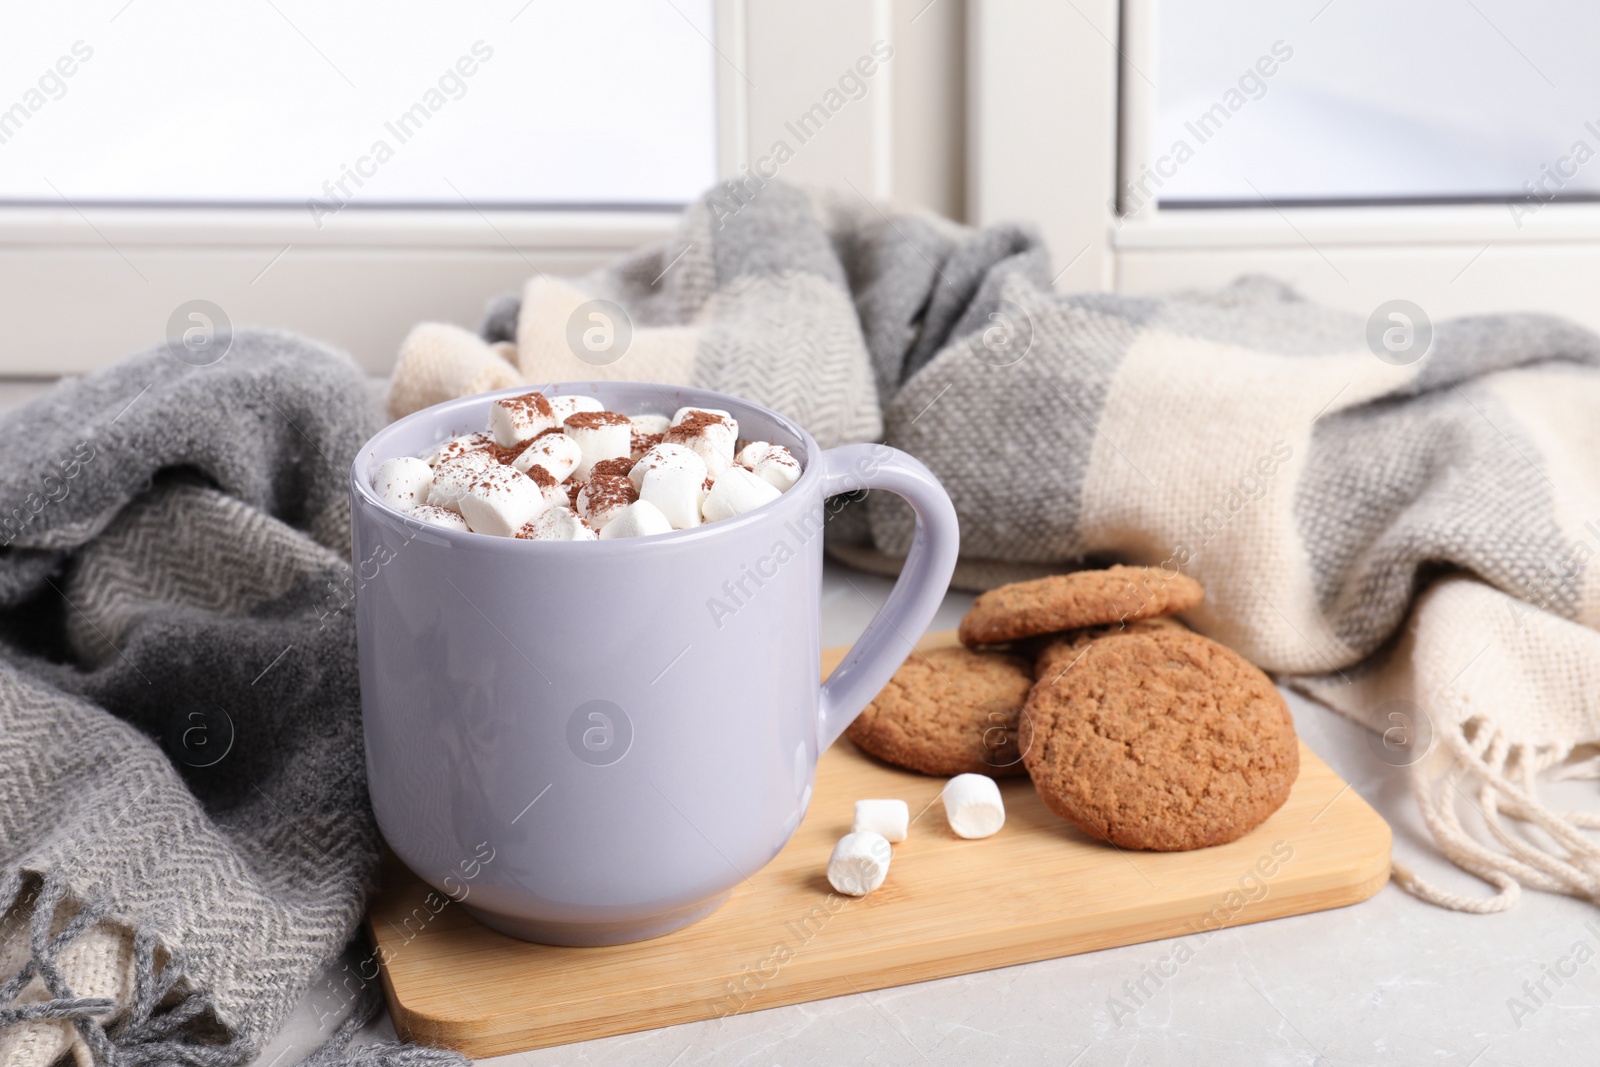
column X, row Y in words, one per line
column 735, row 492
column 457, row 447
column 564, row 407
column 403, row 482
column 557, row 453
column 771, row 463
column 648, row 431
column 639, row 519
column 501, row 501
column 565, row 468
column 434, row 515
column 673, row 478
column 557, row 524
column 682, row 414
column 556, row 495
column 600, row 435
column 604, row 497
column 708, row 432
column 453, row 477
column 514, row 419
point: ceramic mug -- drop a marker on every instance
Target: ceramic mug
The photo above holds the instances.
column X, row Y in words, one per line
column 587, row 743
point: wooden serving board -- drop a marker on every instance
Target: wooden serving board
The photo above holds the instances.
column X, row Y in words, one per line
column 1038, row 889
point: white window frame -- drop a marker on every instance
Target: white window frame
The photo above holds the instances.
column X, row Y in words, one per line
column 85, row 287
column 82, row 286
column 1057, row 113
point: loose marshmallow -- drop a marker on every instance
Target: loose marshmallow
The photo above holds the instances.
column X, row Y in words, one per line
column 457, row 447
column 514, row 419
column 639, row 519
column 673, row 479
column 600, row 435
column 453, row 477
column 557, row 453
column 973, row 806
column 683, row 413
column 735, row 492
column 711, row 435
column 890, row 818
column 603, row 497
column 771, row 463
column 434, row 515
column 403, row 482
column 859, row 863
column 564, row 407
column 557, row 524
column 501, row 501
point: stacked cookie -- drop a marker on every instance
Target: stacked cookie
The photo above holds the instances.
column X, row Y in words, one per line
column 1136, row 729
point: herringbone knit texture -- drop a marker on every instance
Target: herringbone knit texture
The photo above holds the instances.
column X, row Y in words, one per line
column 1245, row 437
column 185, row 838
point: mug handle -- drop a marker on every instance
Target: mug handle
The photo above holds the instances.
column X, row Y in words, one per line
column 916, row 595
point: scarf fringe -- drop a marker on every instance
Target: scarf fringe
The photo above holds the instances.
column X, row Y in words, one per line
column 1505, row 775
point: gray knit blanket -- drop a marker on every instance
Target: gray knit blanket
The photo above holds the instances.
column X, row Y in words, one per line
column 185, row 838
column 1395, row 516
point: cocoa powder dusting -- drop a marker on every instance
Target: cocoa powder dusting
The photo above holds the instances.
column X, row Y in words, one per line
column 605, row 492
column 529, row 403
column 611, row 468
column 695, row 423
column 593, row 420
column 502, row 454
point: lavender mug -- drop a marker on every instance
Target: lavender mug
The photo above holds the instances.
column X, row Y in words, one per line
column 593, row 742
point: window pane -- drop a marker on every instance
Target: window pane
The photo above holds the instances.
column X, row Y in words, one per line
column 362, row 103
column 1364, row 100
